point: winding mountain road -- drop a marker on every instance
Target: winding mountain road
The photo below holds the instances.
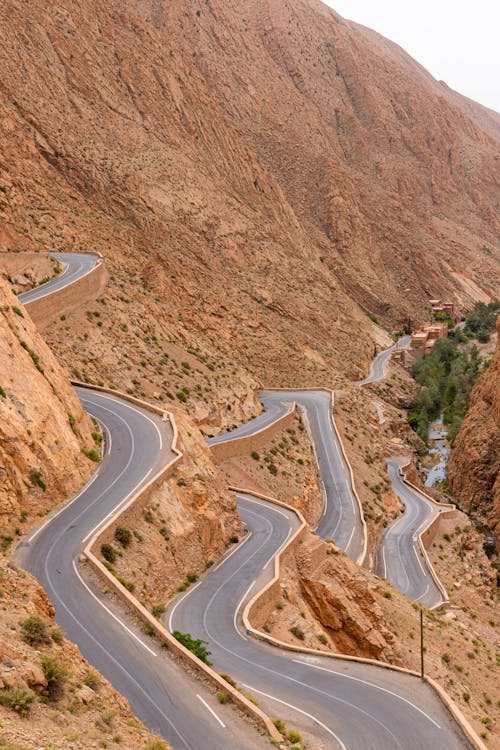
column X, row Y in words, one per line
column 378, row 365
column 349, row 705
column 75, row 266
column 341, row 518
column 158, row 689
column 399, row 559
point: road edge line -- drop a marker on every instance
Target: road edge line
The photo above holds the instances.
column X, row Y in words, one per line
column 447, row 701
column 165, row 636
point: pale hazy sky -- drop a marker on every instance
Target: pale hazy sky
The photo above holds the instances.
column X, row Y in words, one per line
column 457, row 41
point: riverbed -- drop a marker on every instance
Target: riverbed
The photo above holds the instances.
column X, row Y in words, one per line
column 438, row 435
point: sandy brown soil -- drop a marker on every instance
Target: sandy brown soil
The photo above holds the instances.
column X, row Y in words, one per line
column 229, row 233
column 43, row 428
column 286, row 469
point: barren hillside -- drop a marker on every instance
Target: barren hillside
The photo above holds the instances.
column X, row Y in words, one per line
column 257, row 175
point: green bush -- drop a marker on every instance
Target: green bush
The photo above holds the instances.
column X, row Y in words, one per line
column 36, row 478
column 108, row 552
column 482, row 318
column 56, row 675
column 223, row 697
column 280, row 725
column 123, row 536
column 255, row 455
column 195, row 645
column 57, row 634
column 294, row 736
column 34, row 356
column 129, row 585
column 34, row 631
column 297, row 632
column 92, row 454
column 181, row 396
column 158, row 610
column 18, row 311
column 17, row 700
column 92, row 680
column 2, row 392
column 230, row 680
column 446, row 377
column 155, row 745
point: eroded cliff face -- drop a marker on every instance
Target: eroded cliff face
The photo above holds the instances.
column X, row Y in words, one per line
column 43, row 427
column 180, row 528
column 330, row 603
column 474, row 466
column 256, row 173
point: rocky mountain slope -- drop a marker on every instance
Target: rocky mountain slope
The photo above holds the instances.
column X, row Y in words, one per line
column 43, row 428
column 48, row 691
column 474, row 466
column 257, row 174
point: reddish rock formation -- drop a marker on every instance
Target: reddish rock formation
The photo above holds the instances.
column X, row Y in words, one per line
column 474, row 465
column 256, row 173
column 43, row 427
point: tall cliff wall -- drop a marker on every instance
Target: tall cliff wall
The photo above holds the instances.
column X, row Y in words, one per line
column 474, row 465
column 43, row 427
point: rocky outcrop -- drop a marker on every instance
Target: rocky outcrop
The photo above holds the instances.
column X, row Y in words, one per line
column 327, row 601
column 43, row 427
column 474, row 465
column 340, row 597
column 84, row 711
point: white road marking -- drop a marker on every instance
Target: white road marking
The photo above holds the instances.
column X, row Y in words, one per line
column 118, row 505
column 178, row 602
column 112, row 614
column 211, row 711
column 227, row 556
column 269, row 505
column 422, row 595
column 128, row 406
column 107, row 433
column 278, row 550
column 383, row 559
column 115, row 661
column 64, row 507
column 237, row 609
column 300, row 711
column 370, row 684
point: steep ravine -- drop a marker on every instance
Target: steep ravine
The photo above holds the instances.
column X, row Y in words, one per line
column 474, row 465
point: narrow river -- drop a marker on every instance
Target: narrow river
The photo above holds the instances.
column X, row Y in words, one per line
column 438, row 439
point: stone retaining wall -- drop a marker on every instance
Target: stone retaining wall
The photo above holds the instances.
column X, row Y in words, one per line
column 45, row 310
column 240, row 446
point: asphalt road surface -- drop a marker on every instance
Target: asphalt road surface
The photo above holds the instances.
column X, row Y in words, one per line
column 160, row 692
column 345, row 704
column 274, row 409
column 348, row 705
column 379, row 364
column 341, row 518
column 399, row 559
column 77, row 265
